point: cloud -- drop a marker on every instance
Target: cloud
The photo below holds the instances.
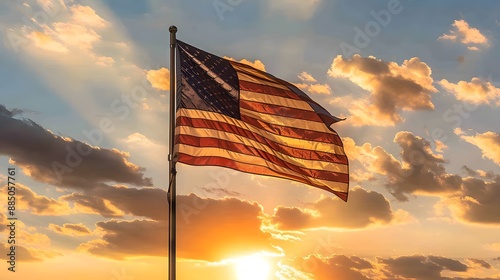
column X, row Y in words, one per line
column 420, row 170
column 392, row 88
column 334, row 267
column 117, row 201
column 29, row 201
column 488, row 142
column 22, row 253
column 481, row 263
column 85, row 15
column 476, row 91
column 420, row 267
column 205, row 229
column 62, row 161
column 306, row 77
column 46, row 42
column 465, row 34
column 71, row 229
column 315, row 88
column 364, row 208
column 478, row 201
column 159, row 79
column 311, row 85
column 256, row 64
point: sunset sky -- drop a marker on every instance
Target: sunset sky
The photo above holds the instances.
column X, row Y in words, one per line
column 84, row 99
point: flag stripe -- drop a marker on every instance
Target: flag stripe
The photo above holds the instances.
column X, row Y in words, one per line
column 337, row 164
column 338, row 188
column 198, row 127
column 234, row 115
column 257, row 161
column 274, row 100
column 221, row 122
column 219, row 147
column 289, row 121
column 279, row 110
column 268, row 90
column 297, row 133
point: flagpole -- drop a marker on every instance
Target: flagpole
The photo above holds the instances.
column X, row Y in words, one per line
column 171, row 159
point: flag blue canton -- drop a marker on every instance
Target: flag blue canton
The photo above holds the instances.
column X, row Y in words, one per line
column 209, row 82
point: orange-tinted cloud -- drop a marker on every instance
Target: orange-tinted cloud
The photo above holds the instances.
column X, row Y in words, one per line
column 311, row 85
column 488, row 142
column 465, row 34
column 363, row 209
column 392, row 88
column 30, row 201
column 334, row 267
column 159, row 79
column 205, row 231
column 476, row 91
column 21, row 253
column 85, row 15
column 46, row 42
column 71, row 229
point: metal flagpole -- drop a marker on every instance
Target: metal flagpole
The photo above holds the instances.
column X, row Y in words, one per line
column 172, row 161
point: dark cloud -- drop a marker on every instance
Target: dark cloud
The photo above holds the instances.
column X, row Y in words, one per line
column 470, row 171
column 482, row 263
column 115, row 201
column 420, row 267
column 364, row 208
column 62, row 161
column 70, row 229
column 22, row 253
column 205, row 230
column 335, row 267
column 479, row 201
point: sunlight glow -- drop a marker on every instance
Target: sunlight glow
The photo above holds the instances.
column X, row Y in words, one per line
column 252, row 268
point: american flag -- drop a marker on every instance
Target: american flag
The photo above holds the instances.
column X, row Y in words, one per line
column 232, row 115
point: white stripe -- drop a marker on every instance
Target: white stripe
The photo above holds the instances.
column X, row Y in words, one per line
column 248, row 159
column 275, row 100
column 284, row 140
column 236, row 138
column 289, row 122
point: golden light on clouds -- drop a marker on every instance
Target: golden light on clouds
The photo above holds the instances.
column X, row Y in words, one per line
column 476, row 91
column 488, row 142
column 159, row 79
column 465, row 34
column 392, row 88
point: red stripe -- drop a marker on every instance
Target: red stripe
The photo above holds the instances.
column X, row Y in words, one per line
column 280, row 110
column 268, row 90
column 299, row 133
column 289, row 151
column 250, row 168
column 248, row 150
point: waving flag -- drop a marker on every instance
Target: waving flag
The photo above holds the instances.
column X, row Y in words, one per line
column 232, row 115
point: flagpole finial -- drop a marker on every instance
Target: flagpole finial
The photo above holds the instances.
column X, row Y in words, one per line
column 172, row 29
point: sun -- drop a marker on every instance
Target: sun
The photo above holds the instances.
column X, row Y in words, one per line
column 252, row 268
